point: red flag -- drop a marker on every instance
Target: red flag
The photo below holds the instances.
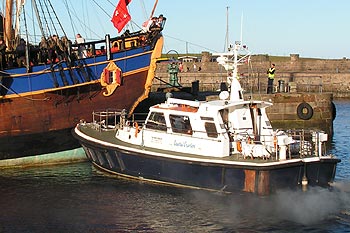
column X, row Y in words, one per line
column 121, row 15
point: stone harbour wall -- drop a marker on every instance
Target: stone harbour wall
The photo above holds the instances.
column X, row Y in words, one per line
column 296, row 74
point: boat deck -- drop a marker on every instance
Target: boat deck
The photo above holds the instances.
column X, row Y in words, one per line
column 106, row 137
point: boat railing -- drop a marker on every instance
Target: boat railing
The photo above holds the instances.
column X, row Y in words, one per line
column 309, row 142
column 108, row 119
column 305, row 143
column 113, row 119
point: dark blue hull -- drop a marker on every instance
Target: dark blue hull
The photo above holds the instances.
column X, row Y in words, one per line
column 212, row 176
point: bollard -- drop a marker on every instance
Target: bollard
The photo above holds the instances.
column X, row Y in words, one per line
column 281, row 86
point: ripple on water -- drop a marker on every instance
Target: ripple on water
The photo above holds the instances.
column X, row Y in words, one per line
column 78, row 198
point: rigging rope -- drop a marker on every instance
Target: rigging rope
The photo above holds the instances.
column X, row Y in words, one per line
column 33, row 22
column 70, row 16
column 59, row 23
column 190, row 43
column 102, row 8
column 10, row 89
column 50, row 18
column 44, row 18
column 145, row 14
column 77, row 18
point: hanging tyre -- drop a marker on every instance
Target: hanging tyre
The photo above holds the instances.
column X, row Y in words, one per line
column 334, row 111
column 305, row 111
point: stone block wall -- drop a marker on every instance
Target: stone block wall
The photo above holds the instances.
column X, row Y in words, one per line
column 307, row 75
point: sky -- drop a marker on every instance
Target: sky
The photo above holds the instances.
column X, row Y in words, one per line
column 310, row 28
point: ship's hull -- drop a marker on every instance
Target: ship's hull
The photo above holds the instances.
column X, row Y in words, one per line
column 38, row 109
column 209, row 174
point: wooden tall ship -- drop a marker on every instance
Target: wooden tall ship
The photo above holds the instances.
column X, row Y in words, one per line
column 46, row 88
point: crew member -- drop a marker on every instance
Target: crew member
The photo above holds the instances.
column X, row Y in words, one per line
column 270, row 78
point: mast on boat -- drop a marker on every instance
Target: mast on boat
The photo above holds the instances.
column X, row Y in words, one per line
column 13, row 11
column 230, row 61
column 8, row 24
column 154, row 8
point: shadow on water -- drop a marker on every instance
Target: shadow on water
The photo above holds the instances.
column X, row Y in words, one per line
column 78, row 198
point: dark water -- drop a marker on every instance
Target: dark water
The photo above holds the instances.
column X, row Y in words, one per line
column 78, row 198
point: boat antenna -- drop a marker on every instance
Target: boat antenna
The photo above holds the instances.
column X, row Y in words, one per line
column 227, row 32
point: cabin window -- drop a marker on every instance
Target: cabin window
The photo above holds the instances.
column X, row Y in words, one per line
column 180, row 124
column 224, row 116
column 156, row 121
column 207, row 118
column 211, row 130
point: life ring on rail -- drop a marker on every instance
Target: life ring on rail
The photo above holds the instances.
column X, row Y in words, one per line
column 239, row 146
column 136, row 126
column 305, row 111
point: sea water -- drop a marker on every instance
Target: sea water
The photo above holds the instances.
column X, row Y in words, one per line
column 79, row 198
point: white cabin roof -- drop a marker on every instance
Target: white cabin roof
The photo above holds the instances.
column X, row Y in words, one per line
column 200, row 107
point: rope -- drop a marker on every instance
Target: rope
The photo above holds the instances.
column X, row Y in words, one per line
column 102, row 8
column 197, row 45
column 59, row 23
column 78, row 19
column 39, row 73
column 70, row 16
column 10, row 89
column 145, row 15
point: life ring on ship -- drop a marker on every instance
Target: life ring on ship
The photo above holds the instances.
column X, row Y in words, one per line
column 305, row 111
column 136, row 126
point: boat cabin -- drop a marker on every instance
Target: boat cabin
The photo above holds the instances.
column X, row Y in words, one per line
column 205, row 128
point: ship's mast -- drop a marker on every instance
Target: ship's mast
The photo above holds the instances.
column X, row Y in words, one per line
column 19, row 9
column 8, row 24
column 154, row 8
column 11, row 27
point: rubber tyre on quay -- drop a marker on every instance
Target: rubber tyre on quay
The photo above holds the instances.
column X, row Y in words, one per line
column 305, row 111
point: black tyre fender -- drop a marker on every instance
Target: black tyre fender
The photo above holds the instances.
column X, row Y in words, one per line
column 305, row 111
column 334, row 111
